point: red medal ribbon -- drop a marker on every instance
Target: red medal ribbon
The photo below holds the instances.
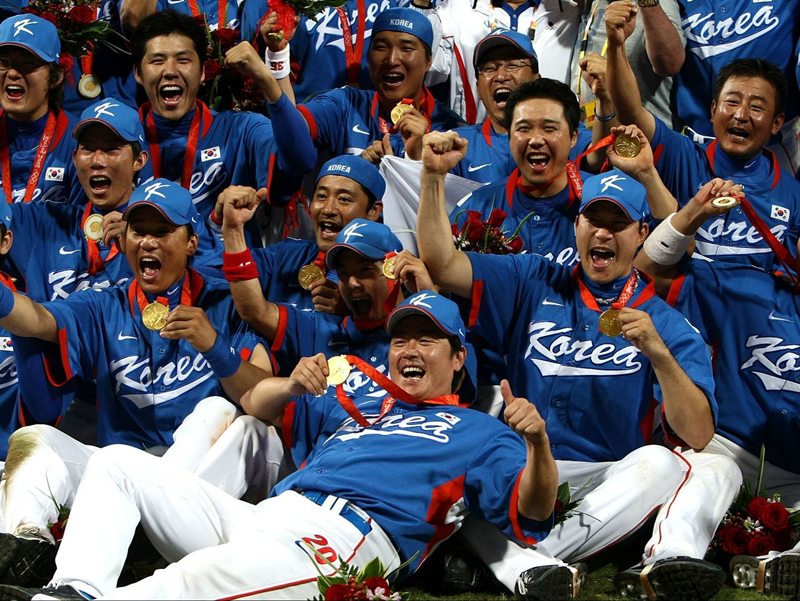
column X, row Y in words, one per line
column 393, row 389
column 87, row 61
column 353, row 54
column 8, row 282
column 426, row 106
column 96, row 261
column 55, row 120
column 222, row 14
column 190, row 291
column 486, row 129
column 201, row 116
column 574, row 182
column 622, row 300
column 320, row 261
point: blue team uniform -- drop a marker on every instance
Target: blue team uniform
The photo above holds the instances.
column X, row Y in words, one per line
column 9, row 402
column 685, row 167
column 58, row 180
column 533, row 310
column 719, row 31
column 489, row 155
column 146, row 384
column 755, row 361
column 208, row 8
column 478, row 464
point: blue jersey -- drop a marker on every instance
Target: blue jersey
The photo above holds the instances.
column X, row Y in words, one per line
column 9, row 400
column 52, row 253
column 719, row 31
column 449, row 459
column 58, row 180
column 685, row 167
column 489, row 155
column 755, row 361
column 207, row 8
column 347, row 120
column 596, row 393
column 146, row 384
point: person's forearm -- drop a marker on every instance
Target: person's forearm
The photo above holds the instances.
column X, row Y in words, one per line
column 243, row 380
column 25, row 317
column 133, row 11
column 539, row 482
column 660, row 200
column 624, row 92
column 663, row 43
column 296, row 151
column 267, row 399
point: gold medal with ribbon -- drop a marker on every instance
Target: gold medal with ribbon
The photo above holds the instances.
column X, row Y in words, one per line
column 154, row 316
column 309, row 274
column 93, row 227
column 338, row 370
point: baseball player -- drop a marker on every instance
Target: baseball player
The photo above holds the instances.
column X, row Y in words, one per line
column 748, row 108
column 158, row 347
column 347, row 187
column 754, row 365
column 616, row 349
column 456, row 459
column 34, row 131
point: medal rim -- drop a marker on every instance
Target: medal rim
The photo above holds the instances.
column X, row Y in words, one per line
column 734, row 201
column 93, row 218
column 306, row 269
column 163, row 311
column 85, row 80
column 338, row 364
column 388, row 268
column 399, row 110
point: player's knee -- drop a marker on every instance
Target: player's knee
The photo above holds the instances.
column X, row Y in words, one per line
column 117, row 461
column 23, row 443
column 656, row 466
column 720, row 470
column 217, row 409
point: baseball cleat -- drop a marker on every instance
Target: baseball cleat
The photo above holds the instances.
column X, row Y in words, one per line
column 30, row 562
column 559, row 583
column 776, row 575
column 57, row 592
column 463, row 573
column 684, row 578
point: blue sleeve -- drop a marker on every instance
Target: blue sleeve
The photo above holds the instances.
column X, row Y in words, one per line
column 294, row 140
column 678, row 161
column 298, row 339
column 43, row 401
column 79, row 318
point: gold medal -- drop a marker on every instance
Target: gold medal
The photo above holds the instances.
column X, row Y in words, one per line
column 388, row 268
column 154, row 316
column 275, row 36
column 309, row 274
column 627, row 146
column 89, row 86
column 399, row 110
column 725, row 202
column 93, row 227
column 338, row 370
column 609, row 324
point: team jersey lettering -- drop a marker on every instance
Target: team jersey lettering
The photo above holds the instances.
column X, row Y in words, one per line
column 66, row 282
column 210, row 181
column 738, row 231
column 784, row 360
column 417, row 426
column 566, row 256
column 329, row 25
column 8, row 372
column 133, row 374
column 704, row 30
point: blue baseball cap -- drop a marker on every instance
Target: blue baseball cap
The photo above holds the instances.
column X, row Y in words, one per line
column 445, row 314
column 33, row 34
column 5, row 210
column 505, row 37
column 619, row 188
column 119, row 117
column 370, row 239
column 357, row 169
column 171, row 200
column 406, row 20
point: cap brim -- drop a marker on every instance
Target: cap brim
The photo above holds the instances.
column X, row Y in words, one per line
column 612, row 201
column 46, row 59
column 78, row 130
column 406, row 310
column 500, row 40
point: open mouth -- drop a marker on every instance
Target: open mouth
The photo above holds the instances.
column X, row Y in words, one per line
column 538, row 161
column 15, row 92
column 413, row 373
column 601, row 257
column 99, row 184
column 171, row 94
column 328, row 230
column 150, row 268
column 393, row 80
column 500, row 96
column 360, row 305
column 738, row 134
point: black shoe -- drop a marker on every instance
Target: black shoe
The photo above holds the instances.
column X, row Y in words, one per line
column 463, row 573
column 778, row 575
column 29, row 562
column 558, row 583
column 677, row 579
column 56, row 592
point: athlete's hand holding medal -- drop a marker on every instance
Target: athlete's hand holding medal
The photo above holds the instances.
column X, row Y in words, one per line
column 313, row 374
column 717, row 197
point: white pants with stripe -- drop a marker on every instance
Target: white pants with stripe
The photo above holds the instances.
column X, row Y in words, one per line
column 223, row 548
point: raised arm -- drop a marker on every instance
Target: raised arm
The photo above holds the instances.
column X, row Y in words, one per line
column 448, row 267
column 663, row 42
column 131, row 12
column 24, row 317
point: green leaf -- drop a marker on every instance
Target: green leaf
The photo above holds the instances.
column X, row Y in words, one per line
column 372, row 569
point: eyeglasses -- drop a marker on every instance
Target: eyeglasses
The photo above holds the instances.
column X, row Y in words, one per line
column 23, row 65
column 490, row 69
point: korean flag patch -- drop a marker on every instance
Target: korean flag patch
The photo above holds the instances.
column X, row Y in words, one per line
column 780, row 213
column 449, row 418
column 54, row 174
column 209, row 154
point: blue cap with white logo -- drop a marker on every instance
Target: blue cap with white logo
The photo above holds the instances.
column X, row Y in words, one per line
column 357, row 169
column 118, row 116
column 505, row 37
column 168, row 198
column 619, row 188
column 5, row 211
column 33, row 34
column 370, row 239
column 404, row 20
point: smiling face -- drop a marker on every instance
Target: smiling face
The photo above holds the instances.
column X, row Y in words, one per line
column 744, row 117
column 398, row 63
column 157, row 250
column 495, row 90
column 421, row 359
column 170, row 74
column 540, row 140
column 337, row 201
column 607, row 240
column 362, row 285
column 25, row 86
column 106, row 166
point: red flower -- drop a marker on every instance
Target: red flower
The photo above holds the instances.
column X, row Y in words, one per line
column 733, row 539
column 476, row 228
column 756, row 507
column 48, row 17
column 57, row 530
column 81, row 16
column 213, row 68
column 337, row 592
column 761, row 545
column 774, row 516
column 497, row 217
column 378, row 582
column 559, row 507
column 228, row 38
column 516, row 245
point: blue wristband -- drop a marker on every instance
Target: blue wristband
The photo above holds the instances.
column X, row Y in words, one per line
column 222, row 358
column 605, row 117
column 6, row 301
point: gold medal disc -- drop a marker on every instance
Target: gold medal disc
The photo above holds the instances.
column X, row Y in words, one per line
column 627, row 146
column 275, row 36
column 154, row 316
column 93, row 227
column 338, row 370
column 89, row 86
column 388, row 268
column 609, row 324
column 309, row 274
column 399, row 110
column 725, row 202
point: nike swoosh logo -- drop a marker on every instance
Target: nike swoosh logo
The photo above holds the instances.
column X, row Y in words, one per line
column 547, row 303
column 335, row 343
column 120, row 337
column 174, row 1
column 471, row 168
column 64, row 251
column 774, row 317
column 360, row 131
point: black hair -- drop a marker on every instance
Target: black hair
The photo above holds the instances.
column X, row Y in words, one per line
column 56, row 79
column 545, row 88
column 164, row 23
column 755, row 67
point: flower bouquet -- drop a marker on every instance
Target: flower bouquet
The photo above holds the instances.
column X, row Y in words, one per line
column 289, row 9
column 487, row 237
